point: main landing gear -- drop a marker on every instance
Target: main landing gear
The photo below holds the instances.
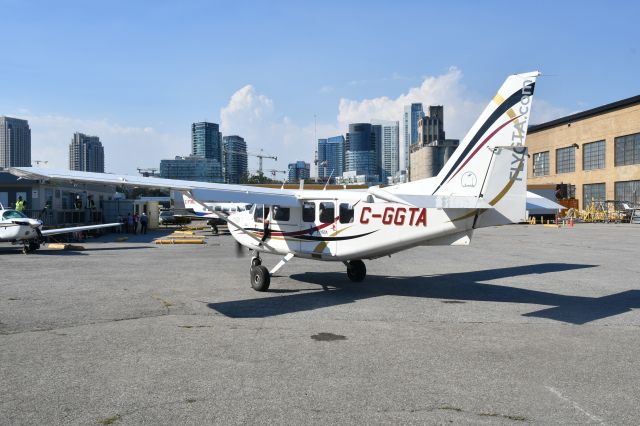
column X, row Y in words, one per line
column 356, row 271
column 30, row 247
column 260, row 275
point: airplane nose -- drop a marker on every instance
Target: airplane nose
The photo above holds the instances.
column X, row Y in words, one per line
column 35, row 223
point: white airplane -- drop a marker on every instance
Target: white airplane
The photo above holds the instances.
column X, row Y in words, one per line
column 483, row 184
column 16, row 228
column 208, row 210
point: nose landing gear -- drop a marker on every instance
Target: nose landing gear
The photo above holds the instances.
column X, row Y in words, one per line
column 260, row 275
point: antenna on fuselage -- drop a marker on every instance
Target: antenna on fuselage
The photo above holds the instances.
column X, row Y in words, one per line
column 328, row 180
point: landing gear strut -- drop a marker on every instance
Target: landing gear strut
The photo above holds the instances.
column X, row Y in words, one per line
column 260, row 275
column 356, row 270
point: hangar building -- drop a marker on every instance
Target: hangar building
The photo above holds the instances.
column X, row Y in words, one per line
column 595, row 153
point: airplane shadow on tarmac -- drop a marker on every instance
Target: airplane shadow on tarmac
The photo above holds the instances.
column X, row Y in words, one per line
column 464, row 286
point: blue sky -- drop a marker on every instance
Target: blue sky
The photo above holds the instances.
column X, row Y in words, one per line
column 138, row 73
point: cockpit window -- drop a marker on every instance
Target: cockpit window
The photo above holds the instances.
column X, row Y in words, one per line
column 260, row 213
column 13, row 214
column 280, row 214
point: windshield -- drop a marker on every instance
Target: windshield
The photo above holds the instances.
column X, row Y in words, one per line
column 12, row 214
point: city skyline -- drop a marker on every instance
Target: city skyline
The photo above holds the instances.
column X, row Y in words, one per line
column 140, row 103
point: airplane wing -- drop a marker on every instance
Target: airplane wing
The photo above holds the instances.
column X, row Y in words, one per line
column 535, row 201
column 200, row 190
column 48, row 232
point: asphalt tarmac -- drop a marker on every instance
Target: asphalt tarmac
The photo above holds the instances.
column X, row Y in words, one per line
column 528, row 325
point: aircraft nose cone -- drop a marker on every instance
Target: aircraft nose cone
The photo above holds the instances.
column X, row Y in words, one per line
column 35, row 223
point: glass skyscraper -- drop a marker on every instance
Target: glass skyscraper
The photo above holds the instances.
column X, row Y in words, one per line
column 192, row 168
column 388, row 135
column 236, row 164
column 362, row 151
column 412, row 114
column 15, row 142
column 206, row 140
column 330, row 157
column 86, row 153
column 299, row 170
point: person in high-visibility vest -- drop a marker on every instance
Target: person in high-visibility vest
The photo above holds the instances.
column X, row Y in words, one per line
column 20, row 204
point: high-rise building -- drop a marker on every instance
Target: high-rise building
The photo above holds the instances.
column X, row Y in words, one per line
column 86, row 153
column 206, row 140
column 432, row 150
column 389, row 143
column 299, row 170
column 330, row 157
column 235, row 159
column 362, row 151
column 412, row 113
column 15, row 142
column 431, row 127
column 192, row 168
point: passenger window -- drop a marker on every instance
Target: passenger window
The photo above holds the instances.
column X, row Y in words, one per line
column 309, row 212
column 280, row 214
column 327, row 212
column 346, row 213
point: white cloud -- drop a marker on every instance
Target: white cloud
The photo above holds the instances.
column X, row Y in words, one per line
column 126, row 147
column 543, row 111
column 461, row 109
column 254, row 117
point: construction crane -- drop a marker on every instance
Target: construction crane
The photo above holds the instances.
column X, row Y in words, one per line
column 274, row 172
column 147, row 172
column 261, row 155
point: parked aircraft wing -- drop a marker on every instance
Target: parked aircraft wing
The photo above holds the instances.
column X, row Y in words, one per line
column 201, row 190
column 535, row 201
column 48, row 232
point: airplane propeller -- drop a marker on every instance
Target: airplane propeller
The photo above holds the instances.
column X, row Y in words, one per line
column 241, row 251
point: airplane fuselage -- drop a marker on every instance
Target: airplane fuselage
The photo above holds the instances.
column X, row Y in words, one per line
column 347, row 227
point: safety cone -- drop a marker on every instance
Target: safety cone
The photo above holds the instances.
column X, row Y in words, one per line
column 571, row 222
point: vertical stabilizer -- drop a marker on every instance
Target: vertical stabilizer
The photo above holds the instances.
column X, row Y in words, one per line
column 503, row 123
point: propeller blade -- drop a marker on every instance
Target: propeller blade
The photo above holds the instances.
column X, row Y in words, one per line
column 240, row 250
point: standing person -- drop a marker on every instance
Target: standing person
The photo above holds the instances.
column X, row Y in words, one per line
column 20, row 205
column 136, row 219
column 144, row 221
column 129, row 223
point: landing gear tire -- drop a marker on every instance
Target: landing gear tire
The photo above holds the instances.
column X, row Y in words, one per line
column 30, row 248
column 356, row 270
column 260, row 278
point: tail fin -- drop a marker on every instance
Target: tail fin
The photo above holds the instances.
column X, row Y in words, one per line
column 505, row 188
column 503, row 123
column 191, row 204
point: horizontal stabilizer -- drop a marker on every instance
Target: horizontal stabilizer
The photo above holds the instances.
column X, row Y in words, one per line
column 431, row 201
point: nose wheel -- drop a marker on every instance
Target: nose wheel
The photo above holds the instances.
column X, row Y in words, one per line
column 356, row 270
